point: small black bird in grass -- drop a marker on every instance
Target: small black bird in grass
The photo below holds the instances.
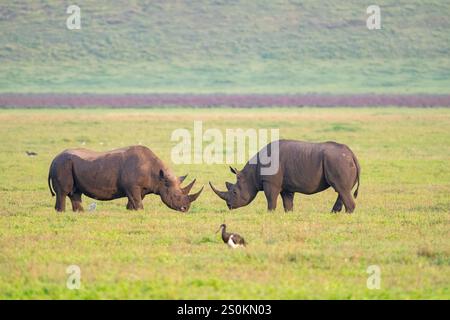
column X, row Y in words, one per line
column 233, row 240
column 31, row 153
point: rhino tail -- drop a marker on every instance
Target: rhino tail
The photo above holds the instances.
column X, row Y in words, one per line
column 49, row 182
column 358, row 171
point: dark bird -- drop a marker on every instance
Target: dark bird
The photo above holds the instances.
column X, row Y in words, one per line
column 233, row 240
column 31, row 153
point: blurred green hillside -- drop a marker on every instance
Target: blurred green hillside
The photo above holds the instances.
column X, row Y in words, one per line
column 273, row 46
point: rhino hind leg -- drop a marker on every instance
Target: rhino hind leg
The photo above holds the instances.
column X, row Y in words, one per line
column 134, row 199
column 337, row 205
column 341, row 173
column 344, row 196
column 60, row 204
column 75, row 198
column 349, row 203
column 288, row 200
column 63, row 187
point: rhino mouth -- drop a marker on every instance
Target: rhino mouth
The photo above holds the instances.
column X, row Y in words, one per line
column 190, row 197
column 177, row 208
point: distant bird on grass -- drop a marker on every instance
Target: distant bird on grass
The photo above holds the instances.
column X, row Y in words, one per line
column 92, row 206
column 31, row 153
column 233, row 240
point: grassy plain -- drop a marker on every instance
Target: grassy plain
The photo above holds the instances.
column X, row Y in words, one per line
column 286, row 46
column 401, row 222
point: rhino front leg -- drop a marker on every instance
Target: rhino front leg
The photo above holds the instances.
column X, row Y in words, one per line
column 134, row 199
column 288, row 200
column 271, row 192
column 129, row 205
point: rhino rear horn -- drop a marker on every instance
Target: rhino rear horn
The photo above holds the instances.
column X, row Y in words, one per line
column 193, row 197
column 188, row 188
column 222, row 195
column 229, row 185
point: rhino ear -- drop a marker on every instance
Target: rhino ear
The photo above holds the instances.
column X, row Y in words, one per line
column 234, row 170
column 229, row 185
column 181, row 179
column 163, row 177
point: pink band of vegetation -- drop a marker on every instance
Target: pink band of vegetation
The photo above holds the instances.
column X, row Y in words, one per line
column 216, row 100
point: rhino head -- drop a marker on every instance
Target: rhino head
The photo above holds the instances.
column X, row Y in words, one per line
column 173, row 195
column 240, row 193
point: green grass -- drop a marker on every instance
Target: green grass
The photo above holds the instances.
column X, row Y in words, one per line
column 226, row 46
column 401, row 222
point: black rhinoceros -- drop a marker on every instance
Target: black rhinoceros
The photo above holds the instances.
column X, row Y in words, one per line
column 303, row 167
column 131, row 172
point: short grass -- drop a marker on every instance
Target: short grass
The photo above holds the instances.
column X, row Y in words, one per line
column 239, row 46
column 401, row 222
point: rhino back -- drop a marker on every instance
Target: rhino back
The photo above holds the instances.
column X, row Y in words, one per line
column 103, row 175
column 300, row 167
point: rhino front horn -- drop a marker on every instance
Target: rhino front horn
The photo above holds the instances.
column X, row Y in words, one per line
column 193, row 197
column 188, row 188
column 222, row 195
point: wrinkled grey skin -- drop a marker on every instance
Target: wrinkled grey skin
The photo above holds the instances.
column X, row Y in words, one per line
column 305, row 168
column 131, row 172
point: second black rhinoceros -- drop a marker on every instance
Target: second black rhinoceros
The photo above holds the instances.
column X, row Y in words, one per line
column 303, row 167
